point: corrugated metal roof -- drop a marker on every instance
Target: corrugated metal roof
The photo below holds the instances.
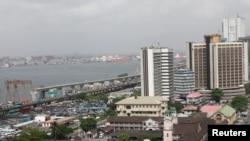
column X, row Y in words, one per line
column 227, row 111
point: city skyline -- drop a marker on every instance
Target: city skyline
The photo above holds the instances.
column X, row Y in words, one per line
column 38, row 28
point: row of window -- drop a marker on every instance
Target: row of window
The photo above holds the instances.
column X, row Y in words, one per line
column 142, row 106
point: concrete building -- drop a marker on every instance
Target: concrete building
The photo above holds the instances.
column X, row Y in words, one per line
column 153, row 106
column 135, row 123
column 233, row 28
column 194, row 98
column 225, row 115
column 218, row 64
column 184, row 82
column 246, row 40
column 157, row 71
column 192, row 128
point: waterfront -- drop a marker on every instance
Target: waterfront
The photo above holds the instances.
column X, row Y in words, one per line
column 47, row 75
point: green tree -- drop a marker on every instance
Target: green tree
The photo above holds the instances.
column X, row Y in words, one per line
column 88, row 124
column 31, row 134
column 247, row 87
column 216, row 94
column 240, row 102
column 136, row 93
column 60, row 131
column 110, row 112
column 178, row 106
column 122, row 75
column 112, row 105
column 103, row 97
column 123, row 137
column 149, row 136
column 80, row 96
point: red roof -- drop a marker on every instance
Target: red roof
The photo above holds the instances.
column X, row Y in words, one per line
column 210, row 108
column 194, row 95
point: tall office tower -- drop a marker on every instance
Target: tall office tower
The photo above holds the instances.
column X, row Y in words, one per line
column 246, row 40
column 233, row 28
column 218, row 64
column 157, row 71
column 184, row 82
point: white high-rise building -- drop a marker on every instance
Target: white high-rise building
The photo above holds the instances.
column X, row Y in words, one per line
column 233, row 28
column 157, row 71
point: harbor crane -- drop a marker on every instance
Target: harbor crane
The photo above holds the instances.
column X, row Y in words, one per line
column 11, row 89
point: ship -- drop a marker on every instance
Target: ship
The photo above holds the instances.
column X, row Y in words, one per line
column 179, row 57
column 120, row 59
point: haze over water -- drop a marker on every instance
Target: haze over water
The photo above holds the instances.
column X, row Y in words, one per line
column 48, row 75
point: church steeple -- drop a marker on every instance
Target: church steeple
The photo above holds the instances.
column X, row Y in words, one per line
column 170, row 119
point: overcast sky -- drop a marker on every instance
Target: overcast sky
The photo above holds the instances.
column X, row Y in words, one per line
column 103, row 27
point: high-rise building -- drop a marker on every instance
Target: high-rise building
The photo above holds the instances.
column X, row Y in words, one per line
column 247, row 40
column 218, row 64
column 183, row 82
column 157, row 71
column 233, row 28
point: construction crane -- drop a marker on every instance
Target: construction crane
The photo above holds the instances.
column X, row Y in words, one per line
column 12, row 95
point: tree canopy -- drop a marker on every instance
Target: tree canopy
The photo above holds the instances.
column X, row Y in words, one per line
column 31, row 134
column 178, row 106
column 136, row 93
column 122, row 75
column 216, row 94
column 247, row 88
column 60, row 131
column 112, row 105
column 141, row 137
column 88, row 124
column 123, row 137
column 83, row 96
column 240, row 102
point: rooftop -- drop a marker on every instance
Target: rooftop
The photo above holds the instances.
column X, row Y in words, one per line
column 227, row 111
column 210, row 108
column 143, row 100
column 194, row 95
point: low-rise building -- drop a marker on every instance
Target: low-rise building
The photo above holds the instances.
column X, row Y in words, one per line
column 149, row 106
column 190, row 109
column 226, row 114
column 135, row 123
column 194, row 98
column 210, row 109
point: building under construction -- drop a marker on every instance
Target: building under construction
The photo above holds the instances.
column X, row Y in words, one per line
column 17, row 91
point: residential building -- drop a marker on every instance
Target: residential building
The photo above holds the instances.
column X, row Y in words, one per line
column 190, row 109
column 233, row 28
column 135, row 123
column 218, row 64
column 149, row 106
column 194, row 98
column 184, row 82
column 157, row 71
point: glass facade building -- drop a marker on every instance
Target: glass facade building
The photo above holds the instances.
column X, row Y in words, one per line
column 184, row 82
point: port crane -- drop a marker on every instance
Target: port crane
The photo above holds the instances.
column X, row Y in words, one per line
column 11, row 89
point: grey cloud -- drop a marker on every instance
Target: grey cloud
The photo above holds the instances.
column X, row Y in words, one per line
column 41, row 27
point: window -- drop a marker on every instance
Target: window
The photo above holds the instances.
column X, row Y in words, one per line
column 218, row 117
column 149, row 124
column 128, row 106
